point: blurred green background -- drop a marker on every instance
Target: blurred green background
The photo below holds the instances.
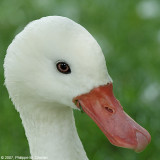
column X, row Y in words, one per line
column 129, row 33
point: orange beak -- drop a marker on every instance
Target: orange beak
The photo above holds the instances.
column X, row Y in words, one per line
column 106, row 111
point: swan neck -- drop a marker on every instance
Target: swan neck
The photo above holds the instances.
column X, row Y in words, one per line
column 51, row 133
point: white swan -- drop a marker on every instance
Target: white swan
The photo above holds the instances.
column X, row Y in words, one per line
column 52, row 63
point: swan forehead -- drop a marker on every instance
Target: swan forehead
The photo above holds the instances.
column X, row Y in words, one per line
column 58, row 37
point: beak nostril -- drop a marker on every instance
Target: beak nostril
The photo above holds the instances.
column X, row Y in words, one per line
column 109, row 109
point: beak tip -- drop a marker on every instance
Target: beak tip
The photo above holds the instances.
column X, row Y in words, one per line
column 142, row 141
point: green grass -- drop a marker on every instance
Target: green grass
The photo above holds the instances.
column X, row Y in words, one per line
column 131, row 44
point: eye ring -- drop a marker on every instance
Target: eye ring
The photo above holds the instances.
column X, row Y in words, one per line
column 63, row 67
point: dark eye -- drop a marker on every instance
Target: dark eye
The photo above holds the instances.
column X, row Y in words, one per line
column 63, row 67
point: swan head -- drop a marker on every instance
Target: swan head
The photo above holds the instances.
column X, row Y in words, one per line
column 56, row 60
column 32, row 58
